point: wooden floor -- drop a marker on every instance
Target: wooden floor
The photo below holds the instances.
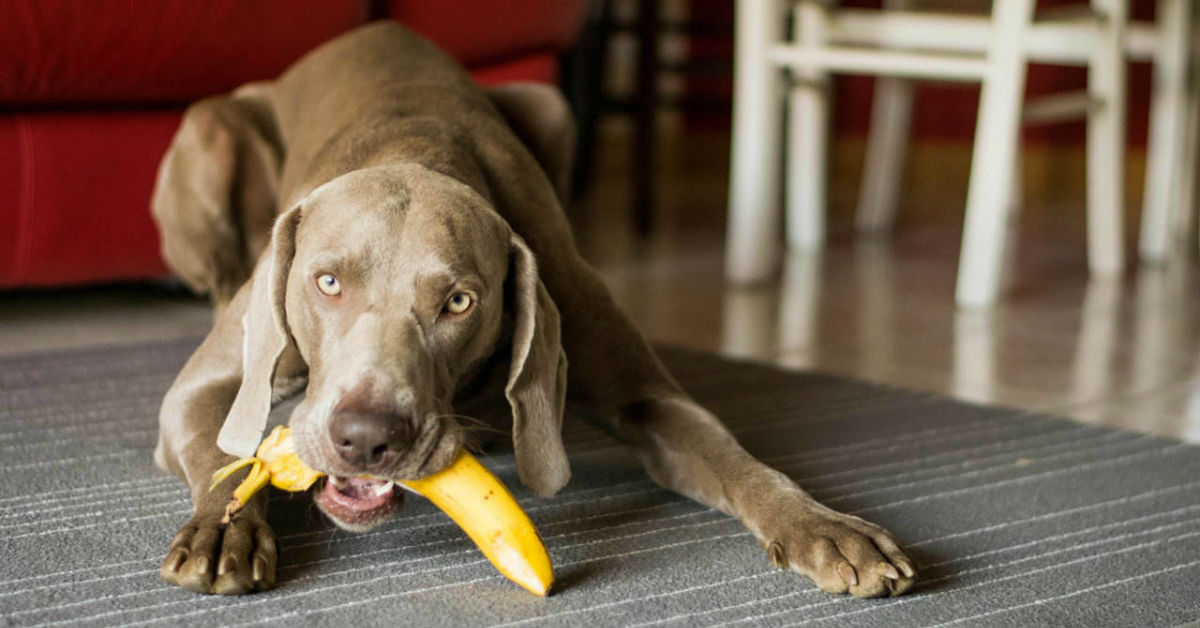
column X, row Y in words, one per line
column 1118, row 352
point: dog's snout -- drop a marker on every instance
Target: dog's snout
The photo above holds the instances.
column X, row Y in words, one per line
column 370, row 439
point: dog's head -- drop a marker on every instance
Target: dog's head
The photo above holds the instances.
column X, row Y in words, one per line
column 394, row 284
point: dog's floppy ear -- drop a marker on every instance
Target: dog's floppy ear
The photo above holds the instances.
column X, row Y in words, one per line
column 265, row 336
column 537, row 381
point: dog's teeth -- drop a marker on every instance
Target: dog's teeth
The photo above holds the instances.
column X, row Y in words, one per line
column 384, row 488
column 337, row 482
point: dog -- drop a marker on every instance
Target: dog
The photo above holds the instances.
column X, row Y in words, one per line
column 381, row 233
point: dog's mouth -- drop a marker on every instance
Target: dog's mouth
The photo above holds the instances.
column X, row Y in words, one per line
column 358, row 504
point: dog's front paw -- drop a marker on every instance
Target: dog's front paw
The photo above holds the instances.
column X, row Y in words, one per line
column 840, row 553
column 208, row 556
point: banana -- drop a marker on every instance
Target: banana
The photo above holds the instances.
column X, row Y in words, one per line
column 482, row 506
column 466, row 491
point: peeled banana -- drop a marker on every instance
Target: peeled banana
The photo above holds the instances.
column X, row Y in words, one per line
column 466, row 491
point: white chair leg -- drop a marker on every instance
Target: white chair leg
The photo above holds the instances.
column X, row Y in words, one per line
column 1185, row 202
column 808, row 141
column 1106, row 141
column 752, row 249
column 887, row 144
column 1167, row 120
column 997, row 133
column 891, row 115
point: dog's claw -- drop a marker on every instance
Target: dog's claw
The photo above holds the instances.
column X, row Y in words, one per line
column 887, row 571
column 840, row 553
column 172, row 563
column 242, row 552
column 228, row 563
column 260, row 568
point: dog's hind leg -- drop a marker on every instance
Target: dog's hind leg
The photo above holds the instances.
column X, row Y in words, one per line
column 615, row 376
column 541, row 117
column 215, row 196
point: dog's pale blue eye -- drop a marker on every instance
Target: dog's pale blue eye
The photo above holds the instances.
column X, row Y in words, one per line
column 329, row 285
column 458, row 303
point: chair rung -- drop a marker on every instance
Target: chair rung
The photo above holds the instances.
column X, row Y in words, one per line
column 880, row 62
column 1059, row 41
column 1059, row 108
column 913, row 30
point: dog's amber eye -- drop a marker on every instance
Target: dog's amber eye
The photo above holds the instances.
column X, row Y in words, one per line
column 329, row 285
column 459, row 302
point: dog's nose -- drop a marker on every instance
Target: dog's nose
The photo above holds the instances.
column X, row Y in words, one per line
column 369, row 439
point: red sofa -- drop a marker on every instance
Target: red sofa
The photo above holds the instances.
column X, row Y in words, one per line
column 91, row 92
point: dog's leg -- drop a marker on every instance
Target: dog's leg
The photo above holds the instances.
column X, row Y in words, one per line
column 541, row 117
column 684, row 447
column 208, row 556
column 215, row 195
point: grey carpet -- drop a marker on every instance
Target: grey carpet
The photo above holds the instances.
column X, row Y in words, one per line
column 1017, row 519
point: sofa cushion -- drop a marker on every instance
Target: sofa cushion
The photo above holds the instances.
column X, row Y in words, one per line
column 541, row 68
column 76, row 191
column 55, row 52
column 479, row 33
column 79, row 144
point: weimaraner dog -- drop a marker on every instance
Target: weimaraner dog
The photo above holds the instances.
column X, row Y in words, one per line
column 378, row 231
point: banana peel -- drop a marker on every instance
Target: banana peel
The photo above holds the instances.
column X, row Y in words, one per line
column 275, row 462
column 466, row 491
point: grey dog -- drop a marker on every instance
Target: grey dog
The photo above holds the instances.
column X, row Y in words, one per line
column 380, row 232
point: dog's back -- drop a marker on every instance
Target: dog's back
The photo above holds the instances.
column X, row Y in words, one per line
column 378, row 84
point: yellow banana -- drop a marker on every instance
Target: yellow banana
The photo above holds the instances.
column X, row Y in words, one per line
column 466, row 491
column 482, row 506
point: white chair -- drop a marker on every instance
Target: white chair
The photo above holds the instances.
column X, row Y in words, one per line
column 899, row 45
column 1171, row 154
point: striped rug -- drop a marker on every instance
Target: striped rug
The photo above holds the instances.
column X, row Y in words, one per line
column 1017, row 519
